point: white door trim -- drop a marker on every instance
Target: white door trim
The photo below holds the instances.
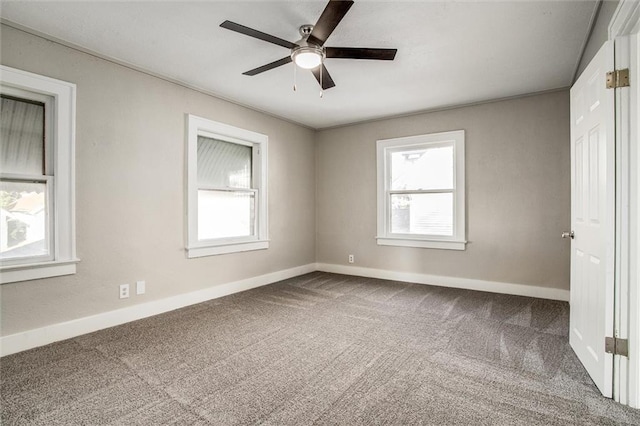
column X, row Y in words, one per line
column 624, row 28
column 625, row 19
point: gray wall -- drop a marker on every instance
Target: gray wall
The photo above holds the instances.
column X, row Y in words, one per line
column 599, row 34
column 130, row 190
column 517, row 187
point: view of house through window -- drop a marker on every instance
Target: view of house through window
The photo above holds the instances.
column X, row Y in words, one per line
column 24, row 187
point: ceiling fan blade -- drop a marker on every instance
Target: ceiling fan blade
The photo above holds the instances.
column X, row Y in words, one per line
column 272, row 65
column 257, row 34
column 329, row 20
column 327, row 81
column 361, row 53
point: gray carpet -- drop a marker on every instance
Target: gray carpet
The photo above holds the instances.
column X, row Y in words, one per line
column 318, row 349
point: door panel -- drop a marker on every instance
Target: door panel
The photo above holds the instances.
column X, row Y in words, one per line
column 592, row 218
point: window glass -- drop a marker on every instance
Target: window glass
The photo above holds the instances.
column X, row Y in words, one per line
column 430, row 168
column 21, row 137
column 24, row 220
column 423, row 214
column 223, row 164
column 225, row 214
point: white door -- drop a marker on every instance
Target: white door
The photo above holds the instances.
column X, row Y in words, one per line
column 592, row 218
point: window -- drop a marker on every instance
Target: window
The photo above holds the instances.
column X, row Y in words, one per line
column 226, row 187
column 37, row 120
column 421, row 191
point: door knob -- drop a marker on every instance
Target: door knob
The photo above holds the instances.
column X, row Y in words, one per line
column 568, row 235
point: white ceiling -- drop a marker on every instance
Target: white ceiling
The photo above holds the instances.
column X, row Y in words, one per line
column 449, row 53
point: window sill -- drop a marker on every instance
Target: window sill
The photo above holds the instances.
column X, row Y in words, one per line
column 35, row 271
column 193, row 252
column 434, row 244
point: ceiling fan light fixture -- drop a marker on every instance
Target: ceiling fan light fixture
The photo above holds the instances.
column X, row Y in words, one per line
column 308, row 52
column 307, row 57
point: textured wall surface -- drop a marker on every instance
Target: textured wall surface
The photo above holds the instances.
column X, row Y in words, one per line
column 130, row 188
column 517, row 188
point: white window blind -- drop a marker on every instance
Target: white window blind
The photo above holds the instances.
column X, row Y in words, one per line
column 223, row 164
column 22, row 136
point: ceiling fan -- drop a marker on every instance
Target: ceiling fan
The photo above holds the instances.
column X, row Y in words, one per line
column 309, row 52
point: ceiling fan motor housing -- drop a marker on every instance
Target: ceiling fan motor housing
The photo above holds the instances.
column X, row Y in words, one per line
column 305, row 30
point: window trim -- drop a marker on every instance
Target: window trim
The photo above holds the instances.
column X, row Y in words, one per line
column 198, row 126
column 384, row 236
column 61, row 149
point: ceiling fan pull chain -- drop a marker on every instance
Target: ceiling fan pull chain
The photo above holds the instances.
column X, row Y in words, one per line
column 321, row 72
column 295, row 88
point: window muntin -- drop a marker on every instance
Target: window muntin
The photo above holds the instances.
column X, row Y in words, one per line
column 421, row 191
column 37, row 186
column 226, row 189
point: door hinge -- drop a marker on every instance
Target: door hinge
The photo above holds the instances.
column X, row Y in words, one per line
column 618, row 78
column 616, row 346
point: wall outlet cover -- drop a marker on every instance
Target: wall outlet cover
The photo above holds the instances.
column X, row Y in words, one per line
column 141, row 287
column 124, row 291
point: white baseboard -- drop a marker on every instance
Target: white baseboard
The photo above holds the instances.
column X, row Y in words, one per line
column 65, row 330
column 29, row 339
column 442, row 281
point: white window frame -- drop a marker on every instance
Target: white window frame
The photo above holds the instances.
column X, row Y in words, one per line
column 198, row 126
column 60, row 109
column 384, row 148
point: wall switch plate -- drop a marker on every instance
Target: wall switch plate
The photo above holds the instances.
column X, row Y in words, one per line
column 351, row 258
column 141, row 287
column 124, row 291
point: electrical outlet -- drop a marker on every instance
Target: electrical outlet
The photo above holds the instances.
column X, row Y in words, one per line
column 124, row 291
column 351, row 259
column 141, row 287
